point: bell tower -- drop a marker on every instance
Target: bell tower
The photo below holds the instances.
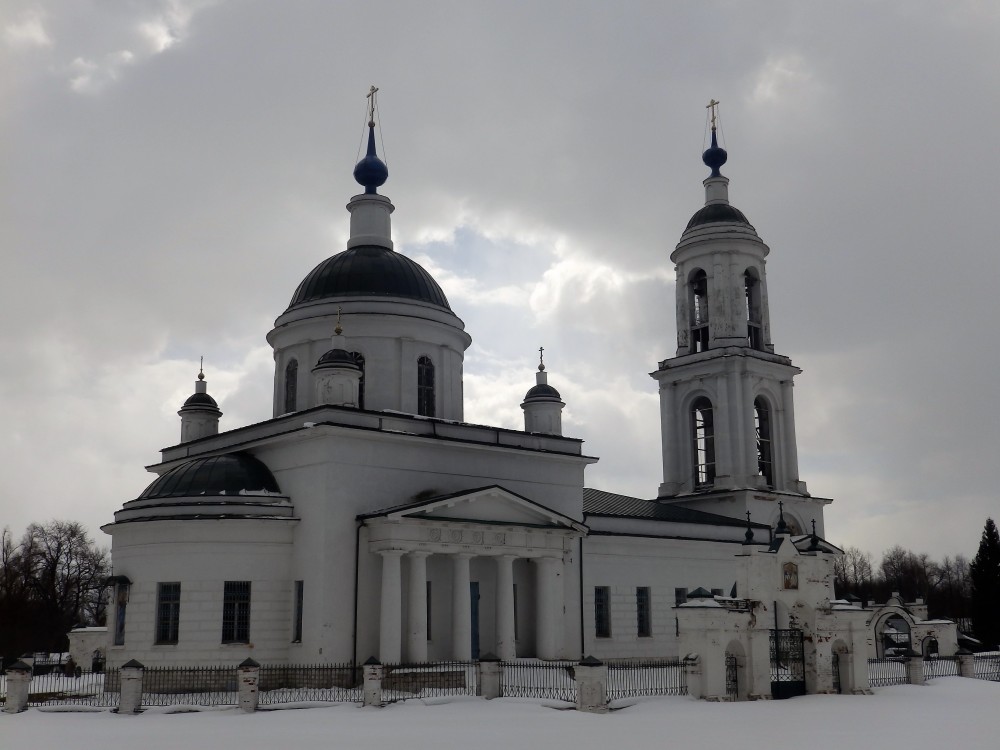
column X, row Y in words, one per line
column 726, row 404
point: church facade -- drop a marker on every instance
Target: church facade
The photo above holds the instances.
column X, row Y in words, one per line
column 366, row 518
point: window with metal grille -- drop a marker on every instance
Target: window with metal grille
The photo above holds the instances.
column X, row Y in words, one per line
column 291, row 386
column 643, row 614
column 762, row 429
column 425, row 387
column 121, row 604
column 299, row 599
column 698, row 287
column 168, row 612
column 359, row 358
column 703, row 431
column 236, row 612
column 429, row 609
column 680, row 596
column 602, row 611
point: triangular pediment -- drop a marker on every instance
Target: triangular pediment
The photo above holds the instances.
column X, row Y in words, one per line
column 489, row 505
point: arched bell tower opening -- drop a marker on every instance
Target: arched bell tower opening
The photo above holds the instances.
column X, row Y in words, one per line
column 726, row 397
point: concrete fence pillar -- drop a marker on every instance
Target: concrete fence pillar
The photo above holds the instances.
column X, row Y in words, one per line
column 489, row 676
column 373, row 672
column 249, row 685
column 131, row 687
column 591, row 686
column 692, row 675
column 914, row 668
column 966, row 663
column 18, row 687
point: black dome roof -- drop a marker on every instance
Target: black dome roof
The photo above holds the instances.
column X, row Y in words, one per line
column 369, row 270
column 199, row 401
column 232, row 474
column 542, row 391
column 715, row 212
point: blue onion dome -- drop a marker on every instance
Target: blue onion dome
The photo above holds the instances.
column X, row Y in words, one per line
column 369, row 271
column 230, row 474
column 714, row 157
column 371, row 172
column 542, row 392
column 337, row 358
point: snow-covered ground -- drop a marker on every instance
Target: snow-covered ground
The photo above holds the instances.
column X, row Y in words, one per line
column 947, row 712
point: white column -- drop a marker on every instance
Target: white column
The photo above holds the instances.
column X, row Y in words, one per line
column 391, row 617
column 416, row 632
column 668, row 432
column 789, row 449
column 548, row 607
column 461, row 609
column 504, row 607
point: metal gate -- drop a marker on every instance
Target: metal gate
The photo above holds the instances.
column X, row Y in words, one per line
column 732, row 677
column 788, row 677
column 835, row 667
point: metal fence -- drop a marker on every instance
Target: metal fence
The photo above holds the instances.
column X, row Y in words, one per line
column 294, row 683
column 988, row 667
column 538, row 679
column 445, row 678
column 648, row 677
column 941, row 666
column 201, row 686
column 77, row 689
column 888, row 671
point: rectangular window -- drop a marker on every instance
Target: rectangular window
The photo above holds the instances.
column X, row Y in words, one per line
column 602, row 611
column 236, row 612
column 517, row 632
column 643, row 616
column 429, row 608
column 680, row 596
column 121, row 603
column 717, row 592
column 168, row 612
column 297, row 625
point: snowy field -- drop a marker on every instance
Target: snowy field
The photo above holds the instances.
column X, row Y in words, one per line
column 947, row 712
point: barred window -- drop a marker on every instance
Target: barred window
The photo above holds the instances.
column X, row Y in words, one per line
column 297, row 626
column 602, row 611
column 430, row 608
column 236, row 612
column 698, row 303
column 168, row 612
column 762, row 430
column 703, row 431
column 291, row 386
column 425, row 387
column 643, row 616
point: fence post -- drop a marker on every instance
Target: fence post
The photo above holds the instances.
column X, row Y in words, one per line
column 591, row 686
column 373, row 672
column 249, row 678
column 692, row 674
column 914, row 667
column 18, row 687
column 966, row 663
column 489, row 676
column 131, row 687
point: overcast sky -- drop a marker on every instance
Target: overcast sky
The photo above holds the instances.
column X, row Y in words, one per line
column 169, row 171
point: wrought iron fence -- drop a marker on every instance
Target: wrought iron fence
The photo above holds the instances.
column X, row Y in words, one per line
column 428, row 680
column 646, row 677
column 294, row 683
column 888, row 671
column 78, row 688
column 988, row 667
column 941, row 666
column 732, row 677
column 201, row 686
column 538, row 679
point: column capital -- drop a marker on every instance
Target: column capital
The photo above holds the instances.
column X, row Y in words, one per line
column 418, row 553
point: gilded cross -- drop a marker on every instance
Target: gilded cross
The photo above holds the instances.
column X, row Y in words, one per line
column 371, row 106
column 712, row 107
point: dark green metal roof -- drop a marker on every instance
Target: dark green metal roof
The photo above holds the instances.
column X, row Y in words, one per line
column 231, row 474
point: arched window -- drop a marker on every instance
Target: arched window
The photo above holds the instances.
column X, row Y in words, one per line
column 360, row 359
column 755, row 337
column 698, row 298
column 291, row 386
column 703, row 431
column 762, row 430
column 425, row 387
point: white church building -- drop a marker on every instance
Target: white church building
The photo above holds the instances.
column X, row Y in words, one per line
column 367, row 518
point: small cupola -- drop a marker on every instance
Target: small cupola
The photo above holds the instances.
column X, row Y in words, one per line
column 542, row 404
column 200, row 413
column 337, row 374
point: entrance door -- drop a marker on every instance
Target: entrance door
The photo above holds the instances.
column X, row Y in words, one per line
column 788, row 677
column 474, row 599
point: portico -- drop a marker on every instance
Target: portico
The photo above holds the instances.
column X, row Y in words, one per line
column 488, row 540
